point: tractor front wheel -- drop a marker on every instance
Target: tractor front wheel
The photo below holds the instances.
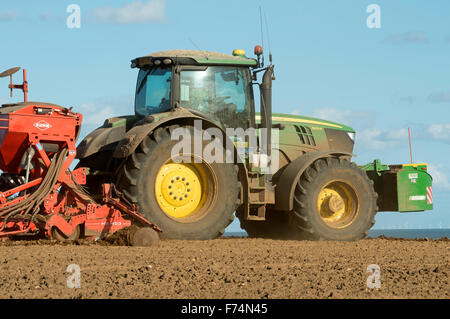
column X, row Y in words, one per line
column 334, row 200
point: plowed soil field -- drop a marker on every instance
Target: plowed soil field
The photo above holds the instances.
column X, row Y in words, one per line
column 228, row 268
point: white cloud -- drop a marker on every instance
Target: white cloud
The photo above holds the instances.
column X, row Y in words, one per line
column 407, row 37
column 439, row 97
column 397, row 135
column 46, row 16
column 95, row 113
column 296, row 112
column 347, row 117
column 133, row 12
column 440, row 179
column 408, row 99
column 9, row 15
column 389, row 139
column 440, row 132
column 375, row 139
column 369, row 136
column 363, row 122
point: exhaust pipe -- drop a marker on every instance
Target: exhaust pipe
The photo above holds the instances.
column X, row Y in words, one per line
column 266, row 109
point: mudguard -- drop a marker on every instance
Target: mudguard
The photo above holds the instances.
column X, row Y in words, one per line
column 145, row 127
column 286, row 183
column 136, row 135
column 101, row 139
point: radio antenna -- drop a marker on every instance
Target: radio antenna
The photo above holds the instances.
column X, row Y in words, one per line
column 262, row 33
column 268, row 38
column 193, row 43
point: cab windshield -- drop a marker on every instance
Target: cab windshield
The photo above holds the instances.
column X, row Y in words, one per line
column 220, row 92
column 153, row 91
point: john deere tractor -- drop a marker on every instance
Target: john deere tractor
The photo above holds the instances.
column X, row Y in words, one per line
column 315, row 192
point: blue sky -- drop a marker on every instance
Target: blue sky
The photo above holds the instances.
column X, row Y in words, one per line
column 329, row 64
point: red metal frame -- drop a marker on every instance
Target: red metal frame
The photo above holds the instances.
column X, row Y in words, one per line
column 39, row 127
column 23, row 86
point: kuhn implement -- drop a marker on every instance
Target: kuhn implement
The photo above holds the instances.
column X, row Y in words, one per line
column 39, row 194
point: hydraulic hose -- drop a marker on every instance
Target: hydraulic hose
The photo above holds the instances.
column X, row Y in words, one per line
column 34, row 201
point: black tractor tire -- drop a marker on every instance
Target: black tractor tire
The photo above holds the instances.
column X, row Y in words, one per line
column 137, row 179
column 276, row 226
column 328, row 175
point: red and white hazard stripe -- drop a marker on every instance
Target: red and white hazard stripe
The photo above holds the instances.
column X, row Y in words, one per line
column 429, row 195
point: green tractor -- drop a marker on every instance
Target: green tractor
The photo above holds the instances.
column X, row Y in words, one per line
column 314, row 192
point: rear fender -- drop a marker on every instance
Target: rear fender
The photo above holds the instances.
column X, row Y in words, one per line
column 101, row 139
column 131, row 140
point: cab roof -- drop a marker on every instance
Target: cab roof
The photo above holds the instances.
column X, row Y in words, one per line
column 196, row 57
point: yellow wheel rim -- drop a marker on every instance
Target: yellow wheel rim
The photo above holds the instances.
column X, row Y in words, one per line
column 179, row 189
column 338, row 204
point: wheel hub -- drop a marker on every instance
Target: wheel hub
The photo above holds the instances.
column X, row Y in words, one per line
column 178, row 190
column 337, row 204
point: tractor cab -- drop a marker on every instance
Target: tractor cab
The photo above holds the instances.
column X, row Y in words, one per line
column 212, row 85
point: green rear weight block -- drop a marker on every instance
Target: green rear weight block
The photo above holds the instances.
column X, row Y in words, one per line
column 401, row 188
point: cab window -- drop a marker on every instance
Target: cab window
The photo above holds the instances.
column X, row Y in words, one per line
column 153, row 91
column 220, row 92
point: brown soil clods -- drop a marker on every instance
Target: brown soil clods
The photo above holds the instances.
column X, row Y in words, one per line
column 226, row 268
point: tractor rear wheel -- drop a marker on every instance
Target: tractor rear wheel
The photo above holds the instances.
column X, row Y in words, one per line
column 188, row 200
column 334, row 200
